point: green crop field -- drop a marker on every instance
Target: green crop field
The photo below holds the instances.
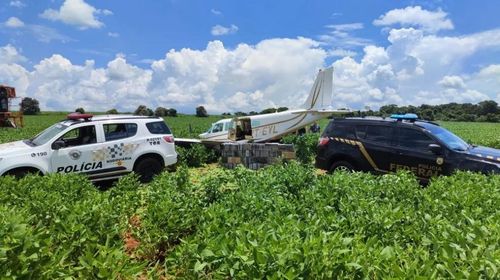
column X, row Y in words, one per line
column 287, row 221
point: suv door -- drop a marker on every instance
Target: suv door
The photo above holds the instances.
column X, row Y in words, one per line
column 376, row 145
column 77, row 153
column 413, row 153
column 118, row 149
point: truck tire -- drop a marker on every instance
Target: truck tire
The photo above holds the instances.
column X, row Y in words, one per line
column 147, row 168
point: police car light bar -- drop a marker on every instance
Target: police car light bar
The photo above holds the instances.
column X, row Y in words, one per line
column 408, row 117
column 78, row 116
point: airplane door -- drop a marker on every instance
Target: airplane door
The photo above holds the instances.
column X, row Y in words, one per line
column 76, row 155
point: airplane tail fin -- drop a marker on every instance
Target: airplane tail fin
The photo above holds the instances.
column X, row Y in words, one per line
column 320, row 96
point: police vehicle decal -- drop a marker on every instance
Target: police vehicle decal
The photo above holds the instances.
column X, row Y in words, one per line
column 116, row 152
column 85, row 166
column 362, row 149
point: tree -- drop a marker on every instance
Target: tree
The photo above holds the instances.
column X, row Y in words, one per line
column 171, row 112
column 488, row 107
column 268, row 111
column 239, row 114
column 389, row 109
column 161, row 112
column 142, row 110
column 201, row 112
column 80, row 110
column 112, row 112
column 281, row 109
column 30, row 106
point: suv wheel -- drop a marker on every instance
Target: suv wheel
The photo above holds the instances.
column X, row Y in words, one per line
column 147, row 168
column 22, row 172
column 342, row 166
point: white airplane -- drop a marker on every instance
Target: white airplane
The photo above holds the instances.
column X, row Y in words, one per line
column 269, row 127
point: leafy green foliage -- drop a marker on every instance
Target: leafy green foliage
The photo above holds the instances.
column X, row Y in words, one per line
column 305, row 145
column 196, row 155
column 283, row 221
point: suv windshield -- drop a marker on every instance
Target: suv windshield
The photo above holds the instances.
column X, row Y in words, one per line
column 49, row 133
column 449, row 139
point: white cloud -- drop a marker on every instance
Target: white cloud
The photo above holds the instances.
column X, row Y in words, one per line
column 340, row 36
column 113, row 34
column 217, row 76
column 339, row 52
column 431, row 21
column 14, row 22
column 10, row 55
column 454, row 82
column 416, row 67
column 245, row 78
column 216, row 12
column 219, row 30
column 346, row 26
column 77, row 13
column 17, row 4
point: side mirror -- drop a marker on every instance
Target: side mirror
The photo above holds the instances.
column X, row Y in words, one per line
column 435, row 149
column 58, row 145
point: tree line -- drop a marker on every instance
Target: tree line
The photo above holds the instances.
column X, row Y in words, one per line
column 484, row 111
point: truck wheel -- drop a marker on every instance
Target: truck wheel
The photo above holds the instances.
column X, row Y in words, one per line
column 341, row 166
column 147, row 168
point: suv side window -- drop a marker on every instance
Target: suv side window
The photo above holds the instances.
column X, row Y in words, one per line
column 414, row 139
column 342, row 130
column 375, row 133
column 115, row 131
column 80, row 136
column 158, row 128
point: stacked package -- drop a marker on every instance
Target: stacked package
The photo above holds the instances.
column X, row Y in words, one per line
column 255, row 156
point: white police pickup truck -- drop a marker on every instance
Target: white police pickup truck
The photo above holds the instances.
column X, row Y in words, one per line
column 102, row 147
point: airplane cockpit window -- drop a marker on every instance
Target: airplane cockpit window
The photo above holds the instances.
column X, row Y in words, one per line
column 228, row 125
column 217, row 127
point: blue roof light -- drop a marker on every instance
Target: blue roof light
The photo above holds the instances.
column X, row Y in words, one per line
column 404, row 117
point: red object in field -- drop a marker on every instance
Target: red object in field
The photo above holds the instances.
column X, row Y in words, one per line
column 8, row 118
column 78, row 116
column 169, row 139
column 323, row 141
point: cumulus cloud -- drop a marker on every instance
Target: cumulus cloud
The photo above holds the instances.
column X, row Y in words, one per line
column 431, row 21
column 219, row 30
column 14, row 22
column 454, row 82
column 77, row 13
column 113, row 34
column 10, row 55
column 415, row 67
column 245, row 78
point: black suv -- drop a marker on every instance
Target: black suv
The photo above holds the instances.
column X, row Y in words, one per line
column 402, row 142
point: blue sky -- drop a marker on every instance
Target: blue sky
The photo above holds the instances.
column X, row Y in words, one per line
column 248, row 55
